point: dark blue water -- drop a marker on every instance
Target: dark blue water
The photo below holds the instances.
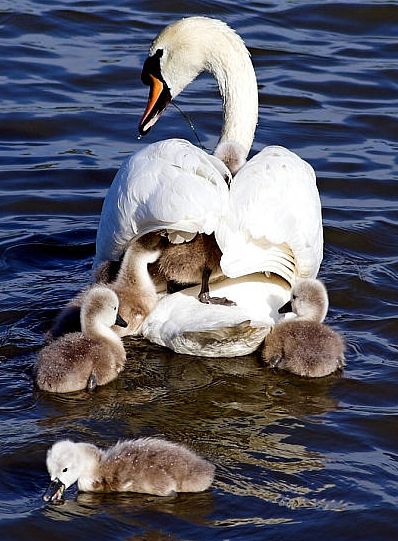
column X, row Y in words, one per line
column 294, row 457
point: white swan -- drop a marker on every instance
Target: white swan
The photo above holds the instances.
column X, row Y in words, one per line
column 269, row 221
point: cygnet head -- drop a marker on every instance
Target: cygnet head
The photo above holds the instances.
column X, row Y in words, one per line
column 309, row 300
column 100, row 308
column 64, row 465
column 232, row 154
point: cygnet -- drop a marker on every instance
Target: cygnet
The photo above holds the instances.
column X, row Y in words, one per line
column 89, row 358
column 232, row 154
column 303, row 345
column 133, row 285
column 146, row 465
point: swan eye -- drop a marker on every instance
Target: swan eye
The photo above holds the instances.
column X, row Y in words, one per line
column 152, row 67
column 65, row 470
column 114, row 308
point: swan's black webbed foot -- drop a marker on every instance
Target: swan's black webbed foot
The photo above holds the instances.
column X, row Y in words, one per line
column 92, row 382
column 204, row 295
column 206, row 299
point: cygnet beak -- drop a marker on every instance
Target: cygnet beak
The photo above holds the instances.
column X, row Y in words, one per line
column 120, row 321
column 286, row 308
column 55, row 491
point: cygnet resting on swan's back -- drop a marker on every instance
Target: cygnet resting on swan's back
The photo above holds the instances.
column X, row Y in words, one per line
column 267, row 221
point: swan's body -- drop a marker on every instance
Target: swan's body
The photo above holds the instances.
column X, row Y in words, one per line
column 170, row 185
column 85, row 359
column 133, row 285
column 146, row 465
column 305, row 346
column 268, row 221
column 182, row 323
column 274, row 222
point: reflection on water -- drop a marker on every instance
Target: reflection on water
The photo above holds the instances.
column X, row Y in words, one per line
column 290, row 453
column 129, row 509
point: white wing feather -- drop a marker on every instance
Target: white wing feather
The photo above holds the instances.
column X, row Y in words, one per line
column 168, row 185
column 274, row 223
column 185, row 325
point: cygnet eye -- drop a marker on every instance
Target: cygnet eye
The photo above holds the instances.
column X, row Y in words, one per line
column 114, row 308
column 294, row 297
column 65, row 470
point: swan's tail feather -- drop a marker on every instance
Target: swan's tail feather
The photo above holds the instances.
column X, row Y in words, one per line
column 243, row 336
column 253, row 258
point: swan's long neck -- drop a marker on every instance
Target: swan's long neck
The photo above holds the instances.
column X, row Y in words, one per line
column 90, row 457
column 314, row 312
column 233, row 70
column 95, row 322
column 195, row 44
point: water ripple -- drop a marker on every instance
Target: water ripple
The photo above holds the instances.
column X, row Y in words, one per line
column 290, row 453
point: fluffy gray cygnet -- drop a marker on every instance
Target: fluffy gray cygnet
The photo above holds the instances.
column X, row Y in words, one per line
column 303, row 345
column 133, row 285
column 85, row 359
column 146, row 465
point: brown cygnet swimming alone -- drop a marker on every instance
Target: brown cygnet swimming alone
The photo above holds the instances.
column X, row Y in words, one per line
column 146, row 465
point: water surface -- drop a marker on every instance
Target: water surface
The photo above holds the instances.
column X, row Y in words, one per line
column 294, row 457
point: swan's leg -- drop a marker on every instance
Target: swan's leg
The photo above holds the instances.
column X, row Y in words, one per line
column 204, row 295
column 173, row 287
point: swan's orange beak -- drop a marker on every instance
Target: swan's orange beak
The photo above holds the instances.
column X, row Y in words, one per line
column 159, row 98
column 159, row 93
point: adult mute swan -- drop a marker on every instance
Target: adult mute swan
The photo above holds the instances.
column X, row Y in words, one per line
column 267, row 221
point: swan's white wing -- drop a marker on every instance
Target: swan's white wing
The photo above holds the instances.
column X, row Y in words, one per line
column 275, row 222
column 168, row 185
column 182, row 323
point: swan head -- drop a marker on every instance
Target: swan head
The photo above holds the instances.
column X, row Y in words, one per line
column 309, row 300
column 177, row 55
column 64, row 465
column 159, row 91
